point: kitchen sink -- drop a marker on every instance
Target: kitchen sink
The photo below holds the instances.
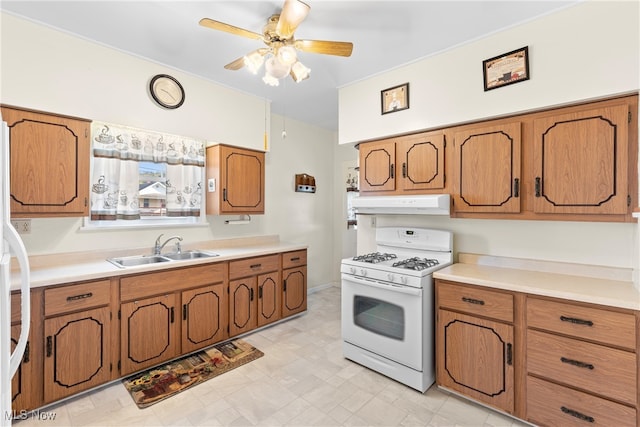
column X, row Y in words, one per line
column 132, row 261
column 136, row 260
column 189, row 255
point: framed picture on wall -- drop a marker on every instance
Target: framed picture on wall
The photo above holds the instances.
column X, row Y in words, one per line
column 395, row 98
column 508, row 68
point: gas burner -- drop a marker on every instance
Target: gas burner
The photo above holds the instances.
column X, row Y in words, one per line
column 375, row 257
column 416, row 263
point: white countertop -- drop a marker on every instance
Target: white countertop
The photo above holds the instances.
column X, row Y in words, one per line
column 555, row 282
column 75, row 267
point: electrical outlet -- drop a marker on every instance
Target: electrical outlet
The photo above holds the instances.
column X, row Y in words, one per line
column 22, row 226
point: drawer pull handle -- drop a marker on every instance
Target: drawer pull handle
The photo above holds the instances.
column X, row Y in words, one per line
column 79, row 297
column 295, row 258
column 473, row 301
column 255, row 266
column 576, row 321
column 576, row 363
column 577, row 414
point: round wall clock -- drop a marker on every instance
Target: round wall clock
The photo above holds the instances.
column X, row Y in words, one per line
column 166, row 91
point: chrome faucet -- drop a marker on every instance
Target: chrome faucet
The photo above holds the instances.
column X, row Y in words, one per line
column 157, row 248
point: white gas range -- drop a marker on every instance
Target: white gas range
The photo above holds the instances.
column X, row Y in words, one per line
column 388, row 303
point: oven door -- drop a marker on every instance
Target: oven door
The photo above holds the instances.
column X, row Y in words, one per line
column 383, row 318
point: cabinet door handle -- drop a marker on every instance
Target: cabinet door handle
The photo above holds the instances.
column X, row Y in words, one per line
column 79, row 297
column 255, row 266
column 173, row 315
column 576, row 321
column 509, row 354
column 577, row 414
column 284, row 285
column 404, row 170
column 27, row 353
column 576, row 363
column 49, row 346
column 260, row 292
column 391, row 170
column 516, row 187
column 538, row 184
column 224, row 194
column 251, row 294
column 184, row 311
column 473, row 301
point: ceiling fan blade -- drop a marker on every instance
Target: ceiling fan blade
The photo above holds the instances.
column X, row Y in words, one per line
column 292, row 15
column 235, row 65
column 325, row 47
column 221, row 26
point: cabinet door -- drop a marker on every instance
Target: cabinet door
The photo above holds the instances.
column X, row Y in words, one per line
column 148, row 332
column 475, row 358
column 77, row 352
column 581, row 161
column 49, row 164
column 22, row 381
column 269, row 298
column 377, row 166
column 204, row 317
column 487, row 163
column 420, row 160
column 242, row 181
column 294, row 283
column 242, row 305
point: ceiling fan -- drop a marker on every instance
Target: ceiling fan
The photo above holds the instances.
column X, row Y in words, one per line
column 280, row 56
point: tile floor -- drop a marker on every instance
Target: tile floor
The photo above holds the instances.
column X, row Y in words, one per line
column 302, row 380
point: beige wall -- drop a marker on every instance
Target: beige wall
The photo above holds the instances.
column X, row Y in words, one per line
column 51, row 71
column 583, row 52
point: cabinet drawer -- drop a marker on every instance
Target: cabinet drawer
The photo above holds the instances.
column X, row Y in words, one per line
column 294, row 259
column 594, row 368
column 590, row 323
column 253, row 266
column 168, row 281
column 76, row 297
column 476, row 300
column 553, row 405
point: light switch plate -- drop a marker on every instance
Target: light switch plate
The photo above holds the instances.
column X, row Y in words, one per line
column 22, row 226
column 211, row 185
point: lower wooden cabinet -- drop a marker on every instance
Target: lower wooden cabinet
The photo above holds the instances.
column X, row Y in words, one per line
column 294, row 282
column 269, row 298
column 77, row 352
column 242, row 305
column 476, row 358
column 204, row 317
column 148, row 332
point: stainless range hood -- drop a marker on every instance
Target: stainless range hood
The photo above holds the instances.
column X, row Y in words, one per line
column 426, row 204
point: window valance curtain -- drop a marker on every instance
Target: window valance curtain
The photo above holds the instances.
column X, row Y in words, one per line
column 116, row 185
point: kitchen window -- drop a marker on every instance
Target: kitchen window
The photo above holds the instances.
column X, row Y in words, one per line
column 141, row 178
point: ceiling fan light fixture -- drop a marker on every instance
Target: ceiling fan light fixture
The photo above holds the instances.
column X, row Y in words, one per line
column 299, row 72
column 253, row 62
column 287, row 55
column 275, row 68
column 270, row 80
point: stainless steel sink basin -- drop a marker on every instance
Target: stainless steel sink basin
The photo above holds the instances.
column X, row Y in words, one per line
column 190, row 255
column 132, row 261
column 136, row 260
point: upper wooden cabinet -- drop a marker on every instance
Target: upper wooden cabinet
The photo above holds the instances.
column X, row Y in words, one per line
column 581, row 161
column 235, row 180
column 576, row 163
column 49, row 164
column 411, row 164
column 487, row 164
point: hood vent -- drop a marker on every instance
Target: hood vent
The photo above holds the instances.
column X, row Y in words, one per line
column 429, row 204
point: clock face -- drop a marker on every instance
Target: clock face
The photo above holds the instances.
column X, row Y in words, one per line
column 166, row 91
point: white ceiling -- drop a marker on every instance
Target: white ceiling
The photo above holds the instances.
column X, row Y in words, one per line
column 385, row 34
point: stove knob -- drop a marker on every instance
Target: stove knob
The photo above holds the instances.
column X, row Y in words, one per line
column 352, row 270
column 390, row 276
column 363, row 271
column 403, row 279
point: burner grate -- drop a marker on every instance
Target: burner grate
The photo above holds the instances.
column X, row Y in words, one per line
column 375, row 257
column 416, row 263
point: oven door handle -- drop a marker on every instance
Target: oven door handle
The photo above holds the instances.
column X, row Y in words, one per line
column 387, row 287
